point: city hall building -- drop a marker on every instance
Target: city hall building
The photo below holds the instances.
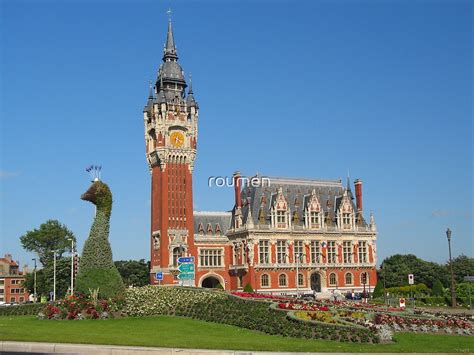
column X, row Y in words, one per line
column 281, row 235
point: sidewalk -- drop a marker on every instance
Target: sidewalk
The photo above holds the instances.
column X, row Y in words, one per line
column 62, row 348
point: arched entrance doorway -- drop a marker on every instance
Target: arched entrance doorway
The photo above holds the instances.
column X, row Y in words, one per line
column 316, row 282
column 211, row 282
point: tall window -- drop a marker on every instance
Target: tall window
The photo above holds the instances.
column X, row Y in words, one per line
column 282, row 280
column 347, row 251
column 281, row 219
column 332, row 279
column 362, row 252
column 281, row 251
column 265, row 280
column 177, row 253
column 210, row 257
column 300, row 280
column 331, row 252
column 263, row 251
column 315, row 219
column 298, row 251
column 346, row 220
column 315, row 252
column 348, row 279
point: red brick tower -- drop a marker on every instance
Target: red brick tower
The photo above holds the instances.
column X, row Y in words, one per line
column 170, row 136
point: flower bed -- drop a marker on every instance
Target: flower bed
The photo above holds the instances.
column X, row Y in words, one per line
column 302, row 307
column 76, row 307
column 258, row 295
column 424, row 324
column 318, row 316
column 246, row 312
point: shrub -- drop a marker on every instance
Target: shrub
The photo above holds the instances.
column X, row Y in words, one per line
column 248, row 288
column 378, row 290
column 28, row 309
column 438, row 289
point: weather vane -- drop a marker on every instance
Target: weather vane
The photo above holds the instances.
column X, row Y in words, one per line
column 94, row 172
column 169, row 12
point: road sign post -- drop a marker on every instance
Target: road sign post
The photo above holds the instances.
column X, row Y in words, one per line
column 411, row 281
column 186, row 270
column 159, row 277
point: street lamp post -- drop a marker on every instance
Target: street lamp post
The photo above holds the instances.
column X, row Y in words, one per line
column 72, row 265
column 453, row 290
column 34, row 282
column 54, row 276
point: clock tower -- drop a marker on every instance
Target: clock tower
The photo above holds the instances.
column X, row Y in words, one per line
column 170, row 118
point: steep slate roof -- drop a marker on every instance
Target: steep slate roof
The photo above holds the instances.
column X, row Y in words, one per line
column 213, row 218
column 297, row 193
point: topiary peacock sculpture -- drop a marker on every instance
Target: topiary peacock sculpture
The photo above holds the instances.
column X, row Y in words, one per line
column 97, row 269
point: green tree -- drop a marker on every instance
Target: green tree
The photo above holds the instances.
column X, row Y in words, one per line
column 97, row 269
column 462, row 266
column 50, row 236
column 45, row 279
column 378, row 290
column 397, row 267
column 438, row 289
column 134, row 272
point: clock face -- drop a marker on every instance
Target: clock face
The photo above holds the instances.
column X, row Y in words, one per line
column 177, row 139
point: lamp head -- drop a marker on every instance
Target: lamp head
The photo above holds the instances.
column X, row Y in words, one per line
column 448, row 234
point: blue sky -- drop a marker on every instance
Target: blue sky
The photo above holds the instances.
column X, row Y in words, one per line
column 382, row 89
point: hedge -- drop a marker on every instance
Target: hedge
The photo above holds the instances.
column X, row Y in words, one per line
column 219, row 307
column 28, row 309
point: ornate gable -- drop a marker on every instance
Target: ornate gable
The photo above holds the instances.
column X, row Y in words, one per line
column 280, row 201
column 313, row 203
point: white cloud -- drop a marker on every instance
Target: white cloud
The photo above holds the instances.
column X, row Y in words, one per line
column 8, row 174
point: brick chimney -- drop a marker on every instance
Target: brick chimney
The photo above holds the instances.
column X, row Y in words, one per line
column 237, row 188
column 358, row 191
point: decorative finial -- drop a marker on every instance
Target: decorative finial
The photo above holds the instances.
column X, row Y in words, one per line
column 150, row 95
column 169, row 12
column 94, row 172
column 190, row 83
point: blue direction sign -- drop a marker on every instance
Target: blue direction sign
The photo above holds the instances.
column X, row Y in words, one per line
column 186, row 268
column 185, row 276
column 159, row 276
column 186, row 259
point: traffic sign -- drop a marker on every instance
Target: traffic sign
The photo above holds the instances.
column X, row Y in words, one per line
column 186, row 259
column 411, row 279
column 159, row 276
column 185, row 276
column 186, row 268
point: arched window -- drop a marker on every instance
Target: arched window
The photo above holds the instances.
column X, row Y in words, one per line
column 282, row 280
column 348, row 279
column 332, row 279
column 265, row 280
column 177, row 253
column 300, row 280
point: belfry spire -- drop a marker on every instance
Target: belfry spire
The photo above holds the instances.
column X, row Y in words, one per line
column 170, row 48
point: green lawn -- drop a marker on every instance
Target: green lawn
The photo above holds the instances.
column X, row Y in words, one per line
column 188, row 333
